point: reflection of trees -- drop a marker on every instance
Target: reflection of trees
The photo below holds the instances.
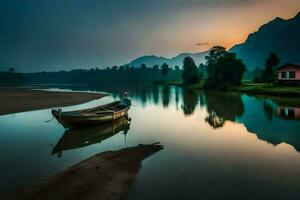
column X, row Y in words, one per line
column 155, row 94
column 214, row 120
column 190, row 100
column 176, row 97
column 143, row 96
column 202, row 100
column 222, row 107
column 166, row 96
column 268, row 108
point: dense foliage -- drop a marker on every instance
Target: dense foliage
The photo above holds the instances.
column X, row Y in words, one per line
column 223, row 68
column 269, row 74
column 114, row 75
column 190, row 73
column 11, row 78
column 165, row 69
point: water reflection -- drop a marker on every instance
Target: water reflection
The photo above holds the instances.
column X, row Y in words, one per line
column 269, row 109
column 166, row 96
column 222, row 107
column 155, row 94
column 190, row 101
column 236, row 155
column 269, row 118
column 77, row 138
column 288, row 113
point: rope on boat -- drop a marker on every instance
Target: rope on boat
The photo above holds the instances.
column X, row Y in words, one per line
column 49, row 120
column 59, row 115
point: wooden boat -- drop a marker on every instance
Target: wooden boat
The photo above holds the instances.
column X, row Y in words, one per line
column 81, row 137
column 93, row 116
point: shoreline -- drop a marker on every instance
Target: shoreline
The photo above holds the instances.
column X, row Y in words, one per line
column 14, row 100
column 106, row 175
column 247, row 88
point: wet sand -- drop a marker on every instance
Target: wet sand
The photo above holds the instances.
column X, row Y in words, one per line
column 106, row 175
column 13, row 100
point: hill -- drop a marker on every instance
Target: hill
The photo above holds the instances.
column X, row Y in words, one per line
column 152, row 60
column 279, row 35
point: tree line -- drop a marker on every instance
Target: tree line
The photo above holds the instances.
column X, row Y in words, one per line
column 221, row 70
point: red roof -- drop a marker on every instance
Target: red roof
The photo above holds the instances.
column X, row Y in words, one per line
column 289, row 65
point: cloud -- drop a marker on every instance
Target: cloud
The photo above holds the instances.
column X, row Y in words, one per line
column 202, row 44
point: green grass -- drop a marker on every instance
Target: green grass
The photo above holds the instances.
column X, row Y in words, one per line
column 247, row 87
column 268, row 89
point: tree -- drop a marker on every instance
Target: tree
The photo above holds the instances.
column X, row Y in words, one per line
column 121, row 68
column 164, row 69
column 269, row 74
column 214, row 55
column 256, row 74
column 223, row 68
column 155, row 68
column 143, row 66
column 177, row 68
column 190, row 74
column 11, row 70
column 115, row 68
column 202, row 70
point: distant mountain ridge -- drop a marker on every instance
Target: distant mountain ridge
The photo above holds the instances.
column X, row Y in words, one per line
column 152, row 60
column 279, row 35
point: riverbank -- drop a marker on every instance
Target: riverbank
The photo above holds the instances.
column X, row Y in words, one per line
column 268, row 89
column 248, row 88
column 106, row 175
column 13, row 100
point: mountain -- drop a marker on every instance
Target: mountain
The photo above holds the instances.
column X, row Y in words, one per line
column 279, row 36
column 152, row 60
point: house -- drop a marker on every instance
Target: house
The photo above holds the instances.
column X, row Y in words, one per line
column 289, row 73
column 288, row 112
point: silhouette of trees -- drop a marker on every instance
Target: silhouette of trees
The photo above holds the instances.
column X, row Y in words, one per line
column 223, row 68
column 222, row 107
column 166, row 96
column 143, row 66
column 11, row 70
column 190, row 74
column 155, row 68
column 190, row 101
column 121, row 68
column 202, row 70
column 214, row 55
column 269, row 74
column 177, row 68
column 165, row 69
column 115, row 68
column 11, row 78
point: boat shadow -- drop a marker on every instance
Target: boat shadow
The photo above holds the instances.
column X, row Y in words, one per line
column 82, row 137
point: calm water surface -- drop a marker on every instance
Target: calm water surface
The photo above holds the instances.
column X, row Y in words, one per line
column 217, row 146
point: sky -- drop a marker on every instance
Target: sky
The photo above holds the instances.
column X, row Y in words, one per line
column 50, row 35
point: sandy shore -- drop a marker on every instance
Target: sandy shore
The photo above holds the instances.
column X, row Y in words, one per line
column 14, row 100
column 106, row 175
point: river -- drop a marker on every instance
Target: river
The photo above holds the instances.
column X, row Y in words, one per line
column 217, row 145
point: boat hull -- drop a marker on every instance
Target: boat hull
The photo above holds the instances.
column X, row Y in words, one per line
column 75, row 121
